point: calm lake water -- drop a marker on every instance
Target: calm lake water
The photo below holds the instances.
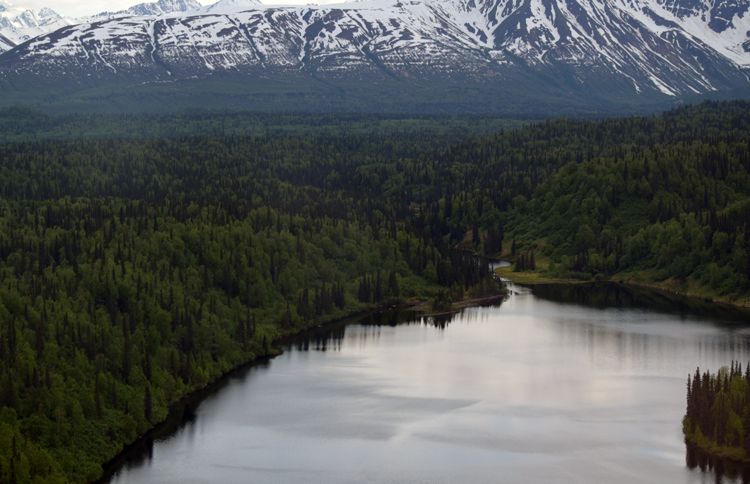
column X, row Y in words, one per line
column 577, row 385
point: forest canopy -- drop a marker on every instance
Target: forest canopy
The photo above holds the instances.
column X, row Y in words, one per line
column 718, row 412
column 142, row 257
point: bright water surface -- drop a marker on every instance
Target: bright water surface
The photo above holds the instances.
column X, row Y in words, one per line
column 537, row 390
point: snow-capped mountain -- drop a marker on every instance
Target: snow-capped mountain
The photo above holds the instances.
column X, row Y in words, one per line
column 161, row 7
column 19, row 24
column 584, row 48
column 232, row 6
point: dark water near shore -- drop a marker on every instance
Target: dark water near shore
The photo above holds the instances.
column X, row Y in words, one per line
column 582, row 384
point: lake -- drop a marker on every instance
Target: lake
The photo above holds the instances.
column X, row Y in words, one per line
column 580, row 384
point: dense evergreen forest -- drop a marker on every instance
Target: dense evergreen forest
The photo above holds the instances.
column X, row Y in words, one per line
column 142, row 257
column 718, row 412
column 664, row 199
column 133, row 271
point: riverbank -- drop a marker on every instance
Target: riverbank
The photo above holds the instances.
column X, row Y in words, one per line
column 732, row 454
column 184, row 408
column 671, row 287
column 425, row 307
column 365, row 387
column 532, row 278
column 668, row 287
column 185, row 405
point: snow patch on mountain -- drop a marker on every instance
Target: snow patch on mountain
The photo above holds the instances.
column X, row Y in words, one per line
column 158, row 8
column 671, row 47
column 232, row 6
column 19, row 24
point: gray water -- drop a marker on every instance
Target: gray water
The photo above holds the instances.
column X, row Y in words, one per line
column 535, row 390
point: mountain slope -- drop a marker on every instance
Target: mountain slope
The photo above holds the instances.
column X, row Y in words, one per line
column 635, row 51
column 160, row 7
column 232, row 6
column 19, row 24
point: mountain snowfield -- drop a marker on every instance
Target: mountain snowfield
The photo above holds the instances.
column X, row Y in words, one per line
column 161, row 7
column 18, row 24
column 232, row 6
column 631, row 47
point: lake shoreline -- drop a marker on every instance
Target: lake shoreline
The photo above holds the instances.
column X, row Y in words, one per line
column 390, row 332
column 729, row 454
column 536, row 278
column 190, row 401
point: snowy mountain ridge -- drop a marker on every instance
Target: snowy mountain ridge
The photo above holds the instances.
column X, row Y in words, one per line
column 160, row 7
column 19, row 24
column 635, row 47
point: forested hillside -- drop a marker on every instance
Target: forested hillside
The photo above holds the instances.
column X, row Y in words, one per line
column 141, row 258
column 133, row 271
column 662, row 200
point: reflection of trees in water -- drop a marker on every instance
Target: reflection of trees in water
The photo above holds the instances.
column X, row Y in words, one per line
column 183, row 417
column 612, row 295
column 596, row 295
column 408, row 318
column 610, row 338
column 328, row 339
column 331, row 338
column 725, row 471
column 181, row 420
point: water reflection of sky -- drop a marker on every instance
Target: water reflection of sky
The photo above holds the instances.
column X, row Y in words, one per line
column 533, row 391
